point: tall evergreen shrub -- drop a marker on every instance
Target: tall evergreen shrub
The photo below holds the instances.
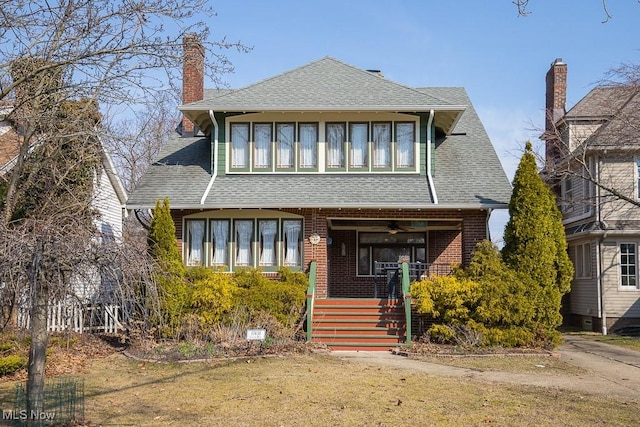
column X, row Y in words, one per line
column 535, row 244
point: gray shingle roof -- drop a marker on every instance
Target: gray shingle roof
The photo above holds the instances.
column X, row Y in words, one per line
column 323, row 85
column 600, row 102
column 467, row 171
column 618, row 108
column 318, row 191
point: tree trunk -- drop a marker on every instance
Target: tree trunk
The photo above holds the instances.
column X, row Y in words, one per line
column 38, row 349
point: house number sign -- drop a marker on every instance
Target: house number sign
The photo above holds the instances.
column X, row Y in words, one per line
column 256, row 334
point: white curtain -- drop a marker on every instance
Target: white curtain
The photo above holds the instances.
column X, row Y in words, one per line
column 262, row 136
column 284, row 133
column 196, row 234
column 358, row 136
column 405, row 140
column 268, row 230
column 244, row 234
column 221, row 241
column 239, row 145
column 381, row 145
column 308, row 145
column 335, row 145
column 292, row 249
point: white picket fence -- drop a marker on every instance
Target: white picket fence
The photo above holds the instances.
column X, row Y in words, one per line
column 76, row 317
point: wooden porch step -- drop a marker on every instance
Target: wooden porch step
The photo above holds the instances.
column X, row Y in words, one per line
column 366, row 324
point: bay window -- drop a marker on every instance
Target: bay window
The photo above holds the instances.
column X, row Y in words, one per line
column 265, row 243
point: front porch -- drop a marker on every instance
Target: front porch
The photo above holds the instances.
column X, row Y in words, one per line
column 364, row 256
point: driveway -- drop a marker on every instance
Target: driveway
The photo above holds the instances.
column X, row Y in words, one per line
column 609, row 370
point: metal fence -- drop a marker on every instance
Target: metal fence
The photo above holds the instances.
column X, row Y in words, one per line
column 63, row 404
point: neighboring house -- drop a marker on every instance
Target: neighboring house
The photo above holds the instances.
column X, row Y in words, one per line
column 326, row 163
column 109, row 194
column 597, row 142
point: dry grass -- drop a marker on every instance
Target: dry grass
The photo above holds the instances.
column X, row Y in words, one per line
column 321, row 390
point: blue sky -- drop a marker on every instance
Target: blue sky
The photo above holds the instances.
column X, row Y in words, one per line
column 499, row 57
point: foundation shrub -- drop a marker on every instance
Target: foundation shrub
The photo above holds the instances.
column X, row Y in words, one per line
column 488, row 304
column 448, row 298
column 212, row 294
column 282, row 298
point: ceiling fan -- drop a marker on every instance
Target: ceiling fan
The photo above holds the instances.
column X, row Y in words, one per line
column 393, row 227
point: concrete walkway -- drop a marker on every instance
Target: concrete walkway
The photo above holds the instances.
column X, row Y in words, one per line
column 608, row 370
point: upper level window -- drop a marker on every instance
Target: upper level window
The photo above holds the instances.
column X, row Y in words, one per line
column 336, row 137
column 359, row 148
column 262, row 135
column 287, row 147
column 568, row 198
column 308, row 145
column 285, row 151
column 240, row 145
column 382, row 145
column 405, row 143
column 628, row 265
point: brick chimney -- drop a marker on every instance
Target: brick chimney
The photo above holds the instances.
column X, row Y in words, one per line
column 192, row 77
column 556, row 100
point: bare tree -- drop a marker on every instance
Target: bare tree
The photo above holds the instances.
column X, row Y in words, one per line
column 135, row 141
column 61, row 60
column 591, row 150
column 522, row 6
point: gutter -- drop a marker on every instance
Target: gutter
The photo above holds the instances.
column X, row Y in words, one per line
column 599, row 266
column 214, row 157
column 429, row 177
column 284, row 205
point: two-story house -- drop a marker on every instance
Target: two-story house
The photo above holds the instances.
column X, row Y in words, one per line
column 326, row 163
column 593, row 158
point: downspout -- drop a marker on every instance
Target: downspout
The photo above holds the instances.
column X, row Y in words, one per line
column 214, row 157
column 486, row 225
column 599, row 266
column 429, row 177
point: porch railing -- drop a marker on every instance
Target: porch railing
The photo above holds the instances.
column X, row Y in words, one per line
column 388, row 277
column 311, row 295
column 406, row 292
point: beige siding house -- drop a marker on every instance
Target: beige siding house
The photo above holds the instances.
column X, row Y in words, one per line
column 593, row 163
